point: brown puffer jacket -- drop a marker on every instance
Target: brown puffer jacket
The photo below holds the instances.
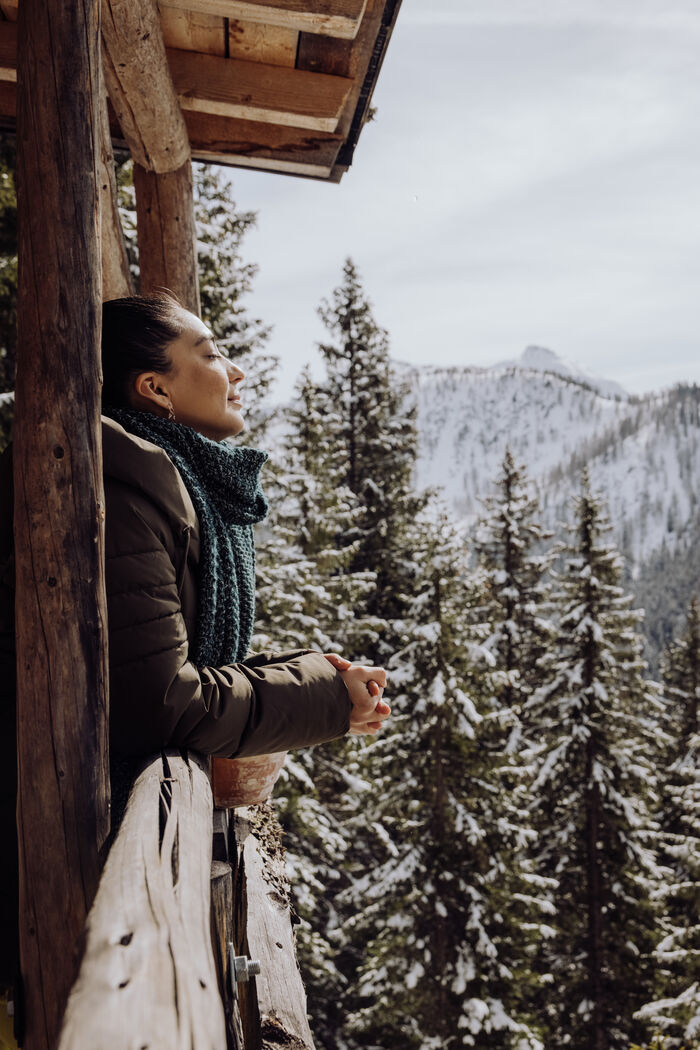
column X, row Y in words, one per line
column 158, row 698
column 270, row 702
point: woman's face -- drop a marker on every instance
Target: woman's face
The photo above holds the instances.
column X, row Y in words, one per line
column 203, row 386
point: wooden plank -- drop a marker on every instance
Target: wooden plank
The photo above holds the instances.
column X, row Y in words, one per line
column 339, row 18
column 222, row 936
column 193, row 31
column 265, row 146
column 166, row 233
column 62, row 731
column 252, row 91
column 148, row 977
column 254, row 42
column 140, row 87
column 274, row 1003
column 116, row 278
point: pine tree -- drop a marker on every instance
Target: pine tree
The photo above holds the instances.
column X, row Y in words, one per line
column 596, row 720
column 426, row 922
column 507, row 545
column 516, row 616
column 677, row 1013
column 309, row 597
column 373, row 432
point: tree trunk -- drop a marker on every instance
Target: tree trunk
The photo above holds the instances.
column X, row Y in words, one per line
column 63, row 809
column 166, row 233
column 595, row 903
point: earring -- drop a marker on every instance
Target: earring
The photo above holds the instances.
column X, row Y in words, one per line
column 171, row 413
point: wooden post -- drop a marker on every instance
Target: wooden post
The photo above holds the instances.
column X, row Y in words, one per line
column 166, row 233
column 141, row 89
column 116, row 279
column 62, row 741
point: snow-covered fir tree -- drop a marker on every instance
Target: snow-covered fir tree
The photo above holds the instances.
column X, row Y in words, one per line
column 516, row 619
column 594, row 723
column 374, row 435
column 508, row 547
column 428, row 921
column 676, row 1013
column 308, row 596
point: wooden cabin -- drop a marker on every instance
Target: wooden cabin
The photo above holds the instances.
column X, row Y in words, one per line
column 281, row 86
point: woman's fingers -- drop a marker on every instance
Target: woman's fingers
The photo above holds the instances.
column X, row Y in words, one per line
column 339, row 662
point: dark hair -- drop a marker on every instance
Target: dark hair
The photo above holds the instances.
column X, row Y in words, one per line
column 136, row 333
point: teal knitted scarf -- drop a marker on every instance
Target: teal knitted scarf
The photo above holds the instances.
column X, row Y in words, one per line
column 224, row 484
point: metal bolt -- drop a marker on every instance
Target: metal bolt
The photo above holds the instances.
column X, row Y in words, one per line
column 243, row 968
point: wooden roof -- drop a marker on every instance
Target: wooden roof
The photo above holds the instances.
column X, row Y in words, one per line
column 275, row 85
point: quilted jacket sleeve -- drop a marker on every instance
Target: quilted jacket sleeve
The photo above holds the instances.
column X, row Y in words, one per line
column 158, row 698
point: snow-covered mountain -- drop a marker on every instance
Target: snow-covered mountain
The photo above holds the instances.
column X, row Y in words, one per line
column 540, row 359
column 643, row 454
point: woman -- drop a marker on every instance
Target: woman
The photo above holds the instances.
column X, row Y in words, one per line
column 180, row 508
column 181, row 504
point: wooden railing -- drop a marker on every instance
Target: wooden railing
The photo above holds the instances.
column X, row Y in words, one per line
column 168, row 921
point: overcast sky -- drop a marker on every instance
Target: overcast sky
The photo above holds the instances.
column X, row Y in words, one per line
column 532, row 176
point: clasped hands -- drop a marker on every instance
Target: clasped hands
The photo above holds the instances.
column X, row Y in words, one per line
column 365, row 687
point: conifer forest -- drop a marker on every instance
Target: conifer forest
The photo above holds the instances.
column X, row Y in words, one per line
column 513, row 863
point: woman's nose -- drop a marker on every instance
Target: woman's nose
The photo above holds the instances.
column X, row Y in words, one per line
column 235, row 372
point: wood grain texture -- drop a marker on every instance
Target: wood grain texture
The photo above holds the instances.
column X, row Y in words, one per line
column 253, row 91
column 140, row 87
column 63, row 805
column 343, row 58
column 116, row 278
column 193, row 31
column 148, row 977
column 255, row 42
column 166, row 233
column 273, row 1004
column 328, row 17
column 8, row 51
column 252, row 144
column 222, row 936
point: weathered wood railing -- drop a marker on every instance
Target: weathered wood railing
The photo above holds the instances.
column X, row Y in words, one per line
column 167, row 920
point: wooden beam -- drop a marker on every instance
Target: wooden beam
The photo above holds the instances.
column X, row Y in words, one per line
column 253, row 91
column 166, row 233
column 140, row 87
column 116, row 278
column 148, row 105
column 62, row 737
column 264, row 146
column 148, row 977
column 328, row 17
column 242, row 143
